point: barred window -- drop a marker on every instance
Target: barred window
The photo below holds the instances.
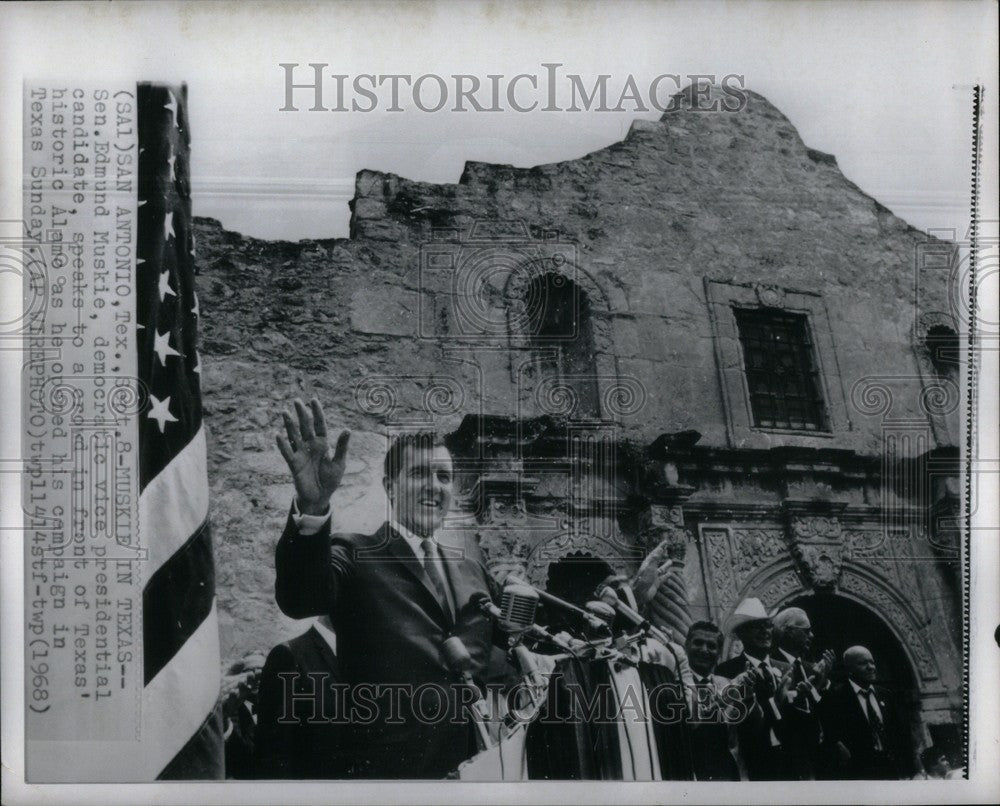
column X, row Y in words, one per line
column 781, row 370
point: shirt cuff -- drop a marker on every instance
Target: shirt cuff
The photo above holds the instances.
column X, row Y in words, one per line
column 308, row 524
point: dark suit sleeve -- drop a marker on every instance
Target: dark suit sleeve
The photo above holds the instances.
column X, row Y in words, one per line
column 832, row 710
column 274, row 742
column 311, row 571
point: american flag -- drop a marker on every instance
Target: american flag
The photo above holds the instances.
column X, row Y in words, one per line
column 181, row 724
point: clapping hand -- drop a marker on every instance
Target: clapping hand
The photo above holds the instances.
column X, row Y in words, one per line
column 822, row 668
column 316, row 466
column 784, row 685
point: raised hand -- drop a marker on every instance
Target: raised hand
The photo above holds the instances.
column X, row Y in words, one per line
column 317, row 468
column 651, row 573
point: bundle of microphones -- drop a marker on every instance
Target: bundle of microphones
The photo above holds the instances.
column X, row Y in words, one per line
column 601, row 629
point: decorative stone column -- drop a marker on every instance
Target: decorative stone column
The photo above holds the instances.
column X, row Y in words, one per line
column 669, row 609
column 662, row 521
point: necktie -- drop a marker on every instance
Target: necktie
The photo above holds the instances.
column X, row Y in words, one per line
column 800, row 670
column 878, row 728
column 707, row 706
column 434, row 575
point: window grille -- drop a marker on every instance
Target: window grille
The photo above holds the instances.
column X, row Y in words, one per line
column 781, row 370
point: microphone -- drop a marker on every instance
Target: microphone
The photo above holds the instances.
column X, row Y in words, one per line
column 602, row 610
column 482, row 601
column 609, row 597
column 459, row 660
column 518, row 605
column 592, row 621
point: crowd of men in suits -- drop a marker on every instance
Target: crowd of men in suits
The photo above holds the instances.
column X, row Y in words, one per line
column 389, row 602
column 799, row 726
column 796, row 726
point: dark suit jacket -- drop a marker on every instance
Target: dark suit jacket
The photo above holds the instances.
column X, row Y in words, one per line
column 845, row 722
column 391, row 630
column 714, row 744
column 801, row 732
column 764, row 760
column 298, row 733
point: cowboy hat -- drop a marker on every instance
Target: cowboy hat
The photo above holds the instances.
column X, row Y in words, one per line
column 748, row 610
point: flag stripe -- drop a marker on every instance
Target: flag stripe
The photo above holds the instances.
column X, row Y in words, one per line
column 175, row 503
column 176, row 702
column 176, row 600
column 180, row 625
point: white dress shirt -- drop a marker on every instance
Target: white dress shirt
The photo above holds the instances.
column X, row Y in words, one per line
column 308, row 524
column 324, row 627
column 311, row 524
column 862, row 696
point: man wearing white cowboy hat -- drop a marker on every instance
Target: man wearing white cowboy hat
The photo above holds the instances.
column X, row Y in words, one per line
column 751, row 624
column 761, row 733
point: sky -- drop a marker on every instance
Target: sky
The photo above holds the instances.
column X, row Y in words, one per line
column 885, row 87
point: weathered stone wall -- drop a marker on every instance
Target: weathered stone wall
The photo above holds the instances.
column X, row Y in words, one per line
column 734, row 197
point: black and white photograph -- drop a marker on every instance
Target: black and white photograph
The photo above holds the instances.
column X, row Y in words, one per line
column 469, row 402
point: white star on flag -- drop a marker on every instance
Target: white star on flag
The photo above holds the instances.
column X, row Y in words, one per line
column 197, row 364
column 170, row 163
column 165, row 285
column 172, row 106
column 142, row 202
column 162, row 348
column 160, row 411
column 139, row 261
column 194, row 310
column 168, row 226
column 194, row 244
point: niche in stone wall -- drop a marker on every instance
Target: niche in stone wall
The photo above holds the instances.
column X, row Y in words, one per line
column 561, row 341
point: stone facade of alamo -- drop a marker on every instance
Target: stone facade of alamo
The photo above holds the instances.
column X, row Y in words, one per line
column 703, row 334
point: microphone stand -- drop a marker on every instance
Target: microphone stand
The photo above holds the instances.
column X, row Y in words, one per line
column 460, row 660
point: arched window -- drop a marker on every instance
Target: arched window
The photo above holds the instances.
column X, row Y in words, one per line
column 943, row 348
column 562, row 339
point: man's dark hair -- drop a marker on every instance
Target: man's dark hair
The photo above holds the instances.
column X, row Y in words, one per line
column 702, row 626
column 417, row 440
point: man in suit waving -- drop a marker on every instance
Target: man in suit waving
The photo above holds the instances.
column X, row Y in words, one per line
column 393, row 598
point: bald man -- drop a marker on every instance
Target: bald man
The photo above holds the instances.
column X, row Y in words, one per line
column 861, row 727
